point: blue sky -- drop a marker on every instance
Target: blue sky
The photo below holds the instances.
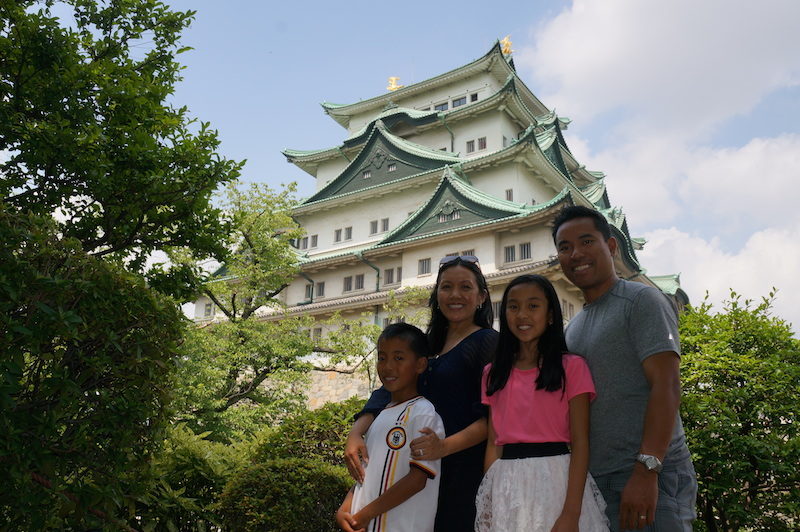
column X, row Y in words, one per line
column 691, row 109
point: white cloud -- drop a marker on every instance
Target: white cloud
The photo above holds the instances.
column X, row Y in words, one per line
column 770, row 259
column 747, row 188
column 649, row 84
column 684, row 64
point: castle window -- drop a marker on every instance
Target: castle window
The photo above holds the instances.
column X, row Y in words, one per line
column 348, row 233
column 482, row 143
column 525, row 251
column 321, row 289
column 309, row 291
column 385, row 224
column 473, row 97
column 509, row 194
column 373, row 227
column 304, row 243
column 459, row 102
column 441, row 107
column 367, row 174
column 209, row 310
column 509, row 253
column 424, row 267
column 388, row 276
column 348, row 284
column 391, row 167
column 317, row 334
column 314, row 239
column 470, row 146
column 360, row 281
column 337, row 235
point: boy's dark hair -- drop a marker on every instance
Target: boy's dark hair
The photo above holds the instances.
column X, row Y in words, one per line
column 579, row 211
column 551, row 345
column 416, row 339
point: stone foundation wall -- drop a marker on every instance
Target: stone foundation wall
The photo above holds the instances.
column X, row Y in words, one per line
column 332, row 386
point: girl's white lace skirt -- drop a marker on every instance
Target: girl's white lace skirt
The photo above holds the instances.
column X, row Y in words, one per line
column 527, row 495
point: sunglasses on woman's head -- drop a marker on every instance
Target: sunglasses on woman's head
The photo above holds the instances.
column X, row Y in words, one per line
column 472, row 259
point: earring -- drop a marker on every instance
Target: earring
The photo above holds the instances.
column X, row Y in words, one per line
column 480, row 306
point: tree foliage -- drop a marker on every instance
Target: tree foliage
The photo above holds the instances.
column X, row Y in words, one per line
column 318, row 434
column 263, row 261
column 86, row 352
column 741, row 373
column 237, row 377
column 88, row 132
column 192, row 472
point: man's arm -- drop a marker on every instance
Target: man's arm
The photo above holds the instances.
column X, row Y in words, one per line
column 401, row 491
column 639, row 497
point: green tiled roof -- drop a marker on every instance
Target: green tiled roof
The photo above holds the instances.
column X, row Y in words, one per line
column 493, row 60
column 380, row 152
column 456, row 205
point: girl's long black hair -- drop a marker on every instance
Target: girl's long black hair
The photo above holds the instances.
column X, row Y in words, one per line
column 551, row 345
column 483, row 318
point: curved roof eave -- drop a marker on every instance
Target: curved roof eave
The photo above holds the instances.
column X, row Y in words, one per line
column 494, row 60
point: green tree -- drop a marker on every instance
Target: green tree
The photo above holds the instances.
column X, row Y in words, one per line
column 243, row 372
column 263, row 261
column 86, row 353
column 237, row 377
column 89, row 135
column 741, row 373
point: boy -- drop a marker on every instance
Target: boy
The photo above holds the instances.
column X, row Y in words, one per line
column 398, row 492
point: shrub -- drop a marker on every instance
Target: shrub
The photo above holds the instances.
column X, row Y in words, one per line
column 192, row 473
column 313, row 434
column 284, row 495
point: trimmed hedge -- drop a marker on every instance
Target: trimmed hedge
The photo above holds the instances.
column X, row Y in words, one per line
column 284, row 495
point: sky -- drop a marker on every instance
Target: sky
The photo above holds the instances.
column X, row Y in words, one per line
column 691, row 109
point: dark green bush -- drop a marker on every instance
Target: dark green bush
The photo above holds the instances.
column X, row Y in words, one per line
column 284, row 495
column 313, row 434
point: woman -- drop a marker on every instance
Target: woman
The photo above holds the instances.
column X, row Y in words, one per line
column 462, row 340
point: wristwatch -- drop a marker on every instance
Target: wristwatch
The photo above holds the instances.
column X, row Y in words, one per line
column 650, row 462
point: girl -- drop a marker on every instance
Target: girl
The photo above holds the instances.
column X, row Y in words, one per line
column 538, row 397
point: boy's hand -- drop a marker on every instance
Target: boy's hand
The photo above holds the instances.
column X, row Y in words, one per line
column 347, row 522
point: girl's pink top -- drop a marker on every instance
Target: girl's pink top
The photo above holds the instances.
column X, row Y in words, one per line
column 523, row 414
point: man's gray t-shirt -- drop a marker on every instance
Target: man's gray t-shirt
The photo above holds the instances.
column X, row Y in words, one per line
column 615, row 334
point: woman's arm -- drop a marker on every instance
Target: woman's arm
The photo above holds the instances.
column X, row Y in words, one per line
column 355, row 450
column 435, row 448
column 578, row 464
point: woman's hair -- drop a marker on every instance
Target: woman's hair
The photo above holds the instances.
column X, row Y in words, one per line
column 437, row 328
column 551, row 345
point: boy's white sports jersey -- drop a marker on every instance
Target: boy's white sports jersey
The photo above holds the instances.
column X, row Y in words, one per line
column 388, row 440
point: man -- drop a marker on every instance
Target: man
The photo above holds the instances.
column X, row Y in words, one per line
column 628, row 333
